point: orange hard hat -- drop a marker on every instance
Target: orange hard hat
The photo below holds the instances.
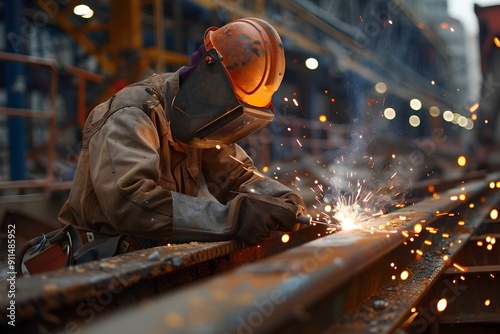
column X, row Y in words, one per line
column 253, row 56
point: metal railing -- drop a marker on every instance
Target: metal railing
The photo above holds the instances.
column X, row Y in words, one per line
column 47, row 183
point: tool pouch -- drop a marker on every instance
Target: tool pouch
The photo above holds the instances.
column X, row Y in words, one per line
column 69, row 246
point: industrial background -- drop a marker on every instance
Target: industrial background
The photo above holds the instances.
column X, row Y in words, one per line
column 383, row 91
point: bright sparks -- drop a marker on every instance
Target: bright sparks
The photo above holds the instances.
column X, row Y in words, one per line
column 418, row 228
column 442, row 304
column 496, row 40
column 459, row 267
column 474, row 107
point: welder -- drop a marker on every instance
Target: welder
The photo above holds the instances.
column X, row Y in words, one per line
column 148, row 150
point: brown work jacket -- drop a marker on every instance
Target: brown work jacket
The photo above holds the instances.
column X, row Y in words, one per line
column 130, row 165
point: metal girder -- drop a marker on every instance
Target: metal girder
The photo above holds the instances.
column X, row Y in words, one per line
column 471, row 291
column 325, row 281
column 74, row 296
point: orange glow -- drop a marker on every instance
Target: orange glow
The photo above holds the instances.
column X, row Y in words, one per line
column 496, row 40
column 441, row 305
column 418, row 228
column 322, row 118
column 285, row 238
column 461, row 161
column 474, row 107
column 458, row 267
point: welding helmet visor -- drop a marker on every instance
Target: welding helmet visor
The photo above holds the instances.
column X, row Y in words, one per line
column 206, row 112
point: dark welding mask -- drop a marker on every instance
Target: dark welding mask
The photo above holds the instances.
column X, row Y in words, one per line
column 206, row 111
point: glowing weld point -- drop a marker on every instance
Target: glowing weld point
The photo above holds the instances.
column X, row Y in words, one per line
column 348, row 225
column 285, row 238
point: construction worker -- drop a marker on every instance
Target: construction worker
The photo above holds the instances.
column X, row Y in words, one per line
column 149, row 148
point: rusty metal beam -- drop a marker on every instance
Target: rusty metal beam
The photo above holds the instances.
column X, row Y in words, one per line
column 54, row 299
column 307, row 288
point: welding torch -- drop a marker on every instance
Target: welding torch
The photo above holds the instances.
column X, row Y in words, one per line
column 307, row 220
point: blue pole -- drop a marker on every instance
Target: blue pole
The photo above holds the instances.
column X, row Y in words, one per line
column 15, row 80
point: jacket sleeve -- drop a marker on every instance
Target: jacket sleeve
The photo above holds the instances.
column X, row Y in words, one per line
column 229, row 170
column 124, row 165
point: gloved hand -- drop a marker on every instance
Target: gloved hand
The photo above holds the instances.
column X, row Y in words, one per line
column 258, row 215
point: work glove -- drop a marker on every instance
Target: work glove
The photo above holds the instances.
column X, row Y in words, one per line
column 249, row 217
column 257, row 216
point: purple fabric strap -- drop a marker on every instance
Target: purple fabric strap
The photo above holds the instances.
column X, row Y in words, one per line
column 195, row 59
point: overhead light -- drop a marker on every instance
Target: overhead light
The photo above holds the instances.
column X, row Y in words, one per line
column 389, row 113
column 84, row 11
column 381, row 87
column 312, row 63
column 415, row 104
